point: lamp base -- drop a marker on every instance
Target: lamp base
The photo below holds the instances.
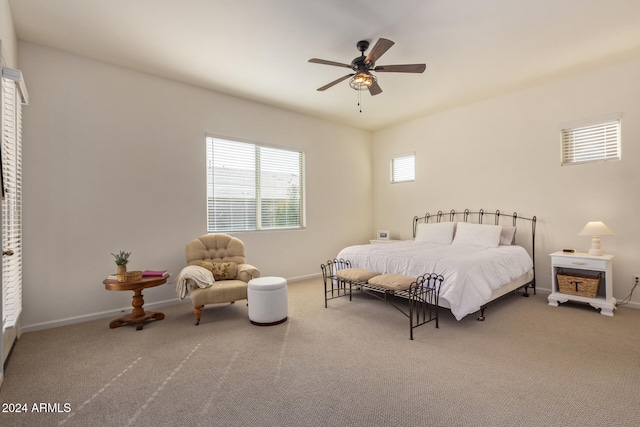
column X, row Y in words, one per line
column 596, row 249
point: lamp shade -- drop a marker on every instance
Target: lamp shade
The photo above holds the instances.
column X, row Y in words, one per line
column 596, row 228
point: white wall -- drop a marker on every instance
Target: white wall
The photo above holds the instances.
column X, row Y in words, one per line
column 114, row 159
column 8, row 35
column 504, row 153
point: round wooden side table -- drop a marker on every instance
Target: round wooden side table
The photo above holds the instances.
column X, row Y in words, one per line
column 138, row 315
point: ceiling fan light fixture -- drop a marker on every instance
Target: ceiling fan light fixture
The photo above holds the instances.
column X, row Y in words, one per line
column 362, row 81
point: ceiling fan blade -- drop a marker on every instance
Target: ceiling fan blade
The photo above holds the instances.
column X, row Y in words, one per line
column 335, row 82
column 381, row 46
column 375, row 89
column 325, row 62
column 405, row 68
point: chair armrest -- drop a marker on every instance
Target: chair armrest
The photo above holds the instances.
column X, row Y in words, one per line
column 247, row 272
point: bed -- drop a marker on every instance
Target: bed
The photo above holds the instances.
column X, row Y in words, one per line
column 482, row 256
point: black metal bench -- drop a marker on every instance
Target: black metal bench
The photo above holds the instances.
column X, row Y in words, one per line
column 422, row 293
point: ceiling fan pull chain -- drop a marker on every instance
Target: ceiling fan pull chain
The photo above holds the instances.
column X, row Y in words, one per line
column 359, row 100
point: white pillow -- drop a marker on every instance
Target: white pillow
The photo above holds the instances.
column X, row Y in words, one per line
column 508, row 236
column 437, row 232
column 487, row 236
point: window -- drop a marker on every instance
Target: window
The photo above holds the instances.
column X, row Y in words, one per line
column 13, row 95
column 592, row 142
column 253, row 187
column 403, row 168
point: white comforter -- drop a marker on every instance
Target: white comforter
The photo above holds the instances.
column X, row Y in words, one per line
column 471, row 273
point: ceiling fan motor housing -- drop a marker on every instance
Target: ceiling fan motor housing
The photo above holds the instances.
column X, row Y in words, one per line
column 358, row 63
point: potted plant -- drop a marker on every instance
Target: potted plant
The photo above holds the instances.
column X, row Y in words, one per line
column 122, row 258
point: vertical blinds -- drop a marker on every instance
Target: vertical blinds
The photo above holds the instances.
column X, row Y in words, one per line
column 591, row 143
column 403, row 168
column 253, row 187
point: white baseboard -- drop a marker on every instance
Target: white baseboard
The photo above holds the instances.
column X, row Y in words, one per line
column 119, row 312
column 301, row 278
column 631, row 305
column 95, row 316
column 152, row 306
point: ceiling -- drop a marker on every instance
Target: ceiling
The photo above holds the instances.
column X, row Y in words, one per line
column 259, row 50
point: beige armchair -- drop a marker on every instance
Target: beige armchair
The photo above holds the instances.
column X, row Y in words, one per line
column 224, row 256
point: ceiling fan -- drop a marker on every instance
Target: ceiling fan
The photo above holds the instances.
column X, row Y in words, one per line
column 362, row 66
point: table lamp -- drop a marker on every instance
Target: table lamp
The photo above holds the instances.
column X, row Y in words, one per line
column 595, row 229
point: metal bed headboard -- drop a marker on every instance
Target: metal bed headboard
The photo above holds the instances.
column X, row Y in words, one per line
column 469, row 216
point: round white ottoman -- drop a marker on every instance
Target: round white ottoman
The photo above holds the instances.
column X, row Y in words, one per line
column 267, row 298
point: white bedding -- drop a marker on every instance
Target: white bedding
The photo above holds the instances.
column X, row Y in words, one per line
column 471, row 273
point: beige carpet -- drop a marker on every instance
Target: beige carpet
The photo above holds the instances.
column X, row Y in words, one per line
column 351, row 364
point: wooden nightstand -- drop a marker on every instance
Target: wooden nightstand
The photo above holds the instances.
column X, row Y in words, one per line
column 383, row 240
column 582, row 262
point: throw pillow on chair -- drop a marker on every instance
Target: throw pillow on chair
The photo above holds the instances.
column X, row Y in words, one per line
column 221, row 270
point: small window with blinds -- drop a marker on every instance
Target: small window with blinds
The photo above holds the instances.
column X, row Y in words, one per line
column 253, row 187
column 599, row 141
column 403, row 168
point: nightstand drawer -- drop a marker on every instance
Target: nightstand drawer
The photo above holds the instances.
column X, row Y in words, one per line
column 582, row 263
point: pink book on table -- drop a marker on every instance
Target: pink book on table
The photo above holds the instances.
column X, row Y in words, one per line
column 154, row 273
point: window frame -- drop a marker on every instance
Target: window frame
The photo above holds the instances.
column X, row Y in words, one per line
column 254, row 219
column 392, row 176
column 591, row 140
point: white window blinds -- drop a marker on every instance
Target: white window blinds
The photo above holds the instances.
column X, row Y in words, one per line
column 253, row 187
column 403, row 168
column 13, row 93
column 591, row 143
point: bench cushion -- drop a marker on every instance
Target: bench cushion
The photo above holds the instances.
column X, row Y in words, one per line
column 393, row 282
column 356, row 274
